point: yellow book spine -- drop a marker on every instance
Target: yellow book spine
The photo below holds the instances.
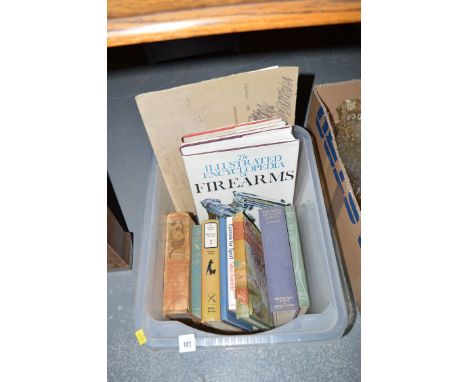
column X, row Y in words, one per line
column 240, row 267
column 210, row 271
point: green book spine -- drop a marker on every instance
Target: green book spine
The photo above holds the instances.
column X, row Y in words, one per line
column 195, row 298
column 297, row 259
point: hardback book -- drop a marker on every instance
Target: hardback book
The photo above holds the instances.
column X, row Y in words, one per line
column 251, row 283
column 195, row 275
column 176, row 294
column 282, row 290
column 231, row 274
column 297, row 260
column 242, row 172
column 227, row 276
column 233, row 129
column 210, row 285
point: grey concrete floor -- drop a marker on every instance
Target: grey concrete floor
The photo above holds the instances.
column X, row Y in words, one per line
column 129, row 158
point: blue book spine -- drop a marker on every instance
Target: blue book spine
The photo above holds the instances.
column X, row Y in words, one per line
column 278, row 261
column 196, row 271
column 227, row 315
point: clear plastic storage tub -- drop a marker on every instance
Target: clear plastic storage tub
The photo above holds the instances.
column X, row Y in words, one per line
column 327, row 317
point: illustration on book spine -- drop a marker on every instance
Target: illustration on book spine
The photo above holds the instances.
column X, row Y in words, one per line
column 210, row 280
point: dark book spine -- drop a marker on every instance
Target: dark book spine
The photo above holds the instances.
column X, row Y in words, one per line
column 278, row 262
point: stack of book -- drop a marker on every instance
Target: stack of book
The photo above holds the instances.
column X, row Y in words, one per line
column 241, row 269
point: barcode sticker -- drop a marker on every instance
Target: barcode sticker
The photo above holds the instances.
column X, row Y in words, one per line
column 140, row 335
column 187, row 343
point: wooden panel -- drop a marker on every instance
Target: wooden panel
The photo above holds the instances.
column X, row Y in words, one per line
column 125, row 8
column 119, row 245
column 133, row 21
column 114, row 261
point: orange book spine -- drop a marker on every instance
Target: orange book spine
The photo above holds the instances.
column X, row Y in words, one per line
column 240, row 267
column 176, row 294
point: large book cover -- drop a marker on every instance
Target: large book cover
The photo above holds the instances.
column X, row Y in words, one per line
column 278, row 265
column 176, row 294
column 243, row 179
column 227, row 297
column 210, row 296
column 297, row 260
column 195, row 275
column 251, row 285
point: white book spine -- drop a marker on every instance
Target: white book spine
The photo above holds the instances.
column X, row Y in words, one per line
column 230, row 264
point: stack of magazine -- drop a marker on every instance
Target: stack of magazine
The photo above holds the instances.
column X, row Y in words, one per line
column 241, row 268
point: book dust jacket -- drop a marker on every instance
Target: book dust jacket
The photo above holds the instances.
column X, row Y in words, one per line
column 224, row 183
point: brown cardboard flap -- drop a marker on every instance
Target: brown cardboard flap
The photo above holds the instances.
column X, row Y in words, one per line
column 332, row 95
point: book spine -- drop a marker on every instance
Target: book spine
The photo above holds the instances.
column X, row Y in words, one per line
column 223, row 278
column 240, row 267
column 256, row 276
column 297, row 260
column 176, row 295
column 227, row 315
column 231, row 276
column 244, row 308
column 196, row 272
column 210, row 271
column 278, row 261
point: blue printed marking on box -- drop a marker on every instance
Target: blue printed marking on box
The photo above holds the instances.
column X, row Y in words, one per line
column 324, row 132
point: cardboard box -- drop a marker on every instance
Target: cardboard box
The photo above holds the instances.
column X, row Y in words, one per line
column 341, row 204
